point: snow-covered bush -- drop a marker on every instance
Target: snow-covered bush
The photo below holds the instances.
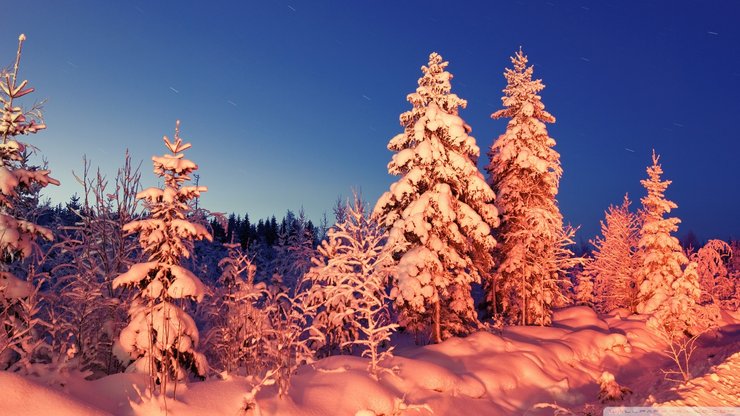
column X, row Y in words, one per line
column 238, row 318
column 609, row 389
column 88, row 312
column 680, row 320
column 525, row 172
column 288, row 336
column 348, row 286
column 660, row 252
column 439, row 213
column 17, row 234
column 716, row 283
column 161, row 337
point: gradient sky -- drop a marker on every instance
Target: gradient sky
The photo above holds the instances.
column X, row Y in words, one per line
column 292, row 103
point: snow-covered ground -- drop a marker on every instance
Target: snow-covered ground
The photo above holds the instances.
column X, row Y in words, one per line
column 483, row 374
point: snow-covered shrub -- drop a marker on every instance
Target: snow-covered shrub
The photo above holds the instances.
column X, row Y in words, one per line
column 615, row 260
column 17, row 235
column 524, row 172
column 288, row 337
column 440, row 212
column 89, row 313
column 680, row 320
column 609, row 389
column 161, row 337
column 660, row 252
column 239, row 318
column 716, row 283
column 348, row 286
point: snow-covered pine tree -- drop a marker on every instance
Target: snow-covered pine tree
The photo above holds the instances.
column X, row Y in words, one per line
column 440, row 213
column 17, row 235
column 661, row 253
column 161, row 337
column 712, row 260
column 525, row 171
column 348, row 286
column 615, row 261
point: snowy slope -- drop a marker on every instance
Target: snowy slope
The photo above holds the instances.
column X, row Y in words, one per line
column 484, row 373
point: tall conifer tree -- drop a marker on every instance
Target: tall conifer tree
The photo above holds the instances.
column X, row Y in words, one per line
column 440, row 213
column 525, row 172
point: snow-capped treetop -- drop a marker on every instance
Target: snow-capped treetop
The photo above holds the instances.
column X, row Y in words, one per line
column 166, row 235
column 526, row 143
column 434, row 86
column 14, row 120
column 521, row 99
column 654, row 203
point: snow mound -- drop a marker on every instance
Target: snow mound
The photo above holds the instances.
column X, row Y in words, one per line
column 21, row 396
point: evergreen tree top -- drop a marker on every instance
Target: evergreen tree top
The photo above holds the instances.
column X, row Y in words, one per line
column 521, row 97
column 434, row 87
column 174, row 167
column 14, row 120
column 654, row 203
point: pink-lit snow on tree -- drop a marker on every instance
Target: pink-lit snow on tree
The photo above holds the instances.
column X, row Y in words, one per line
column 440, row 213
column 615, row 260
column 661, row 254
column 161, row 337
column 525, row 172
column 716, row 283
column 17, row 235
column 348, row 286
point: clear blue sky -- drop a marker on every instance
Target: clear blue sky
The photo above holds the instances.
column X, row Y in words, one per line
column 291, row 103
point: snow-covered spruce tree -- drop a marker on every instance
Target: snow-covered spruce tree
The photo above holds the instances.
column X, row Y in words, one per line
column 525, row 172
column 716, row 285
column 661, row 253
column 348, row 286
column 17, row 235
column 615, row 261
column 440, row 213
column 161, row 337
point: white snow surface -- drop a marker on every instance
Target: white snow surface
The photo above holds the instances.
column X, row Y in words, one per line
column 482, row 374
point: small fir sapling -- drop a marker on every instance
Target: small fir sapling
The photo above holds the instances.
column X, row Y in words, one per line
column 161, row 337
